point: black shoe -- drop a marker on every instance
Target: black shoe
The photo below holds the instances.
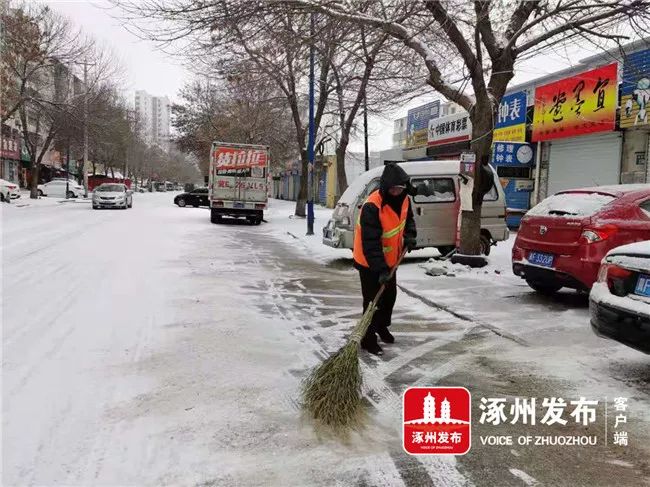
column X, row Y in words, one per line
column 372, row 347
column 386, row 336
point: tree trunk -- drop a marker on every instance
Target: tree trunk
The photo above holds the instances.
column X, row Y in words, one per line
column 36, row 169
column 470, row 230
column 341, row 178
column 301, row 200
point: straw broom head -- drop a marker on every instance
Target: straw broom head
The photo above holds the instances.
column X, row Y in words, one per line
column 331, row 395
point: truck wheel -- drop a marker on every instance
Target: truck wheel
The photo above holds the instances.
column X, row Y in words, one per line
column 215, row 217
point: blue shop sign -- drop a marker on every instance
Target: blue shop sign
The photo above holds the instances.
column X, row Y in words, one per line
column 512, row 110
column 512, row 154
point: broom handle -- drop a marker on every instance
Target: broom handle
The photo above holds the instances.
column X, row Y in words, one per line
column 390, row 276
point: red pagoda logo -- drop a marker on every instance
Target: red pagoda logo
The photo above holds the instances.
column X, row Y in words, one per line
column 437, row 420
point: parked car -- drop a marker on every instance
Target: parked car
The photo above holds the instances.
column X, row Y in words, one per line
column 112, row 195
column 619, row 302
column 8, row 191
column 434, row 207
column 57, row 188
column 197, row 197
column 562, row 241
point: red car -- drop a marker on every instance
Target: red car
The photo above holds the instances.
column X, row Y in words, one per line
column 562, row 240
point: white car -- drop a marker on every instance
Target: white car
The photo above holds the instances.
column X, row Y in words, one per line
column 112, row 195
column 57, row 189
column 8, row 191
column 619, row 302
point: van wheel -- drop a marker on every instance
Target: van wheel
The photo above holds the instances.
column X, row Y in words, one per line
column 486, row 245
column 544, row 288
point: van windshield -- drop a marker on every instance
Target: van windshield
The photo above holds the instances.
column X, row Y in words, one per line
column 571, row 205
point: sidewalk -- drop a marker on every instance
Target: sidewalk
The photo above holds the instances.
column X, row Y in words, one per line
column 25, row 201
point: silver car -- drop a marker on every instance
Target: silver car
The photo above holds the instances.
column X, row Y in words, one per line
column 112, row 195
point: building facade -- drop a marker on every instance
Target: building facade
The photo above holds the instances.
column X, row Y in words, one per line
column 154, row 118
column 588, row 125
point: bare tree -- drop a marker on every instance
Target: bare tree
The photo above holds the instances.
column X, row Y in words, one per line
column 371, row 70
column 241, row 108
column 42, row 48
column 478, row 43
column 222, row 37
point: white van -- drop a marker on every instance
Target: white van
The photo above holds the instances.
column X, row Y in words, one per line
column 435, row 214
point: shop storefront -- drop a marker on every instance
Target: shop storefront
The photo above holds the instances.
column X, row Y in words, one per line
column 635, row 117
column 10, row 155
column 578, row 116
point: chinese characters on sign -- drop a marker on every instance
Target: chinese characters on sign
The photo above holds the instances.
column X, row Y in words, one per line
column 231, row 158
column 635, row 90
column 579, row 105
column 511, row 118
column 512, row 154
column 620, row 408
column 437, row 420
column 450, row 129
column 10, row 146
column 523, row 410
column 417, row 121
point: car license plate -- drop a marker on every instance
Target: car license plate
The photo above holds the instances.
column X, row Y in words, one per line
column 238, row 205
column 541, row 259
column 642, row 286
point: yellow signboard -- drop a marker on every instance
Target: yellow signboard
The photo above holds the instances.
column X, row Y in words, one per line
column 514, row 133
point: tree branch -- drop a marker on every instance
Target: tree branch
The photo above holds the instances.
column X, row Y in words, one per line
column 450, row 28
column 482, row 9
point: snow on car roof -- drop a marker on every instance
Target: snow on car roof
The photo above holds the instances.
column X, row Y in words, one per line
column 637, row 248
column 613, row 190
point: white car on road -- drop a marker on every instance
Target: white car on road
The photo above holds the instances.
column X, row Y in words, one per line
column 57, row 189
column 112, row 195
column 8, row 190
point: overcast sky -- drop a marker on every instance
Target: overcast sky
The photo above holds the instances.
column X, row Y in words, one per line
column 149, row 69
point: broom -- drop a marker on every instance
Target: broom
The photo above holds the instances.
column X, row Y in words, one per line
column 331, row 394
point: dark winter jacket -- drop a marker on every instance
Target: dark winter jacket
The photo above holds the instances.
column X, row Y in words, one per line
column 371, row 230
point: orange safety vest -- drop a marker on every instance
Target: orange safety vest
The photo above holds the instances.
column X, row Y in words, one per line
column 392, row 237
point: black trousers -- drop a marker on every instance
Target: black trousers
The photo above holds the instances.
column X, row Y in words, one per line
column 369, row 288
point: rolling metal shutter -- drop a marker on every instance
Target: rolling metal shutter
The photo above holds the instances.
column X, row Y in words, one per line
column 590, row 160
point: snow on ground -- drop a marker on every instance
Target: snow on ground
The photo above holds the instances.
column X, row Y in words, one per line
column 150, row 347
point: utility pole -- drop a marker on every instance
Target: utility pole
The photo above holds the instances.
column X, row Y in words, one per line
column 310, row 145
column 365, row 132
column 67, row 170
column 85, row 128
column 365, row 107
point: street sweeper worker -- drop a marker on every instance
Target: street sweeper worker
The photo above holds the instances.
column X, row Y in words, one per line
column 384, row 228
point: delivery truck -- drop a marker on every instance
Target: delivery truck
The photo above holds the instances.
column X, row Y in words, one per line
column 238, row 181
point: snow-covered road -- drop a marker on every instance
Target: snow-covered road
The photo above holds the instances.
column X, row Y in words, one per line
column 149, row 347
